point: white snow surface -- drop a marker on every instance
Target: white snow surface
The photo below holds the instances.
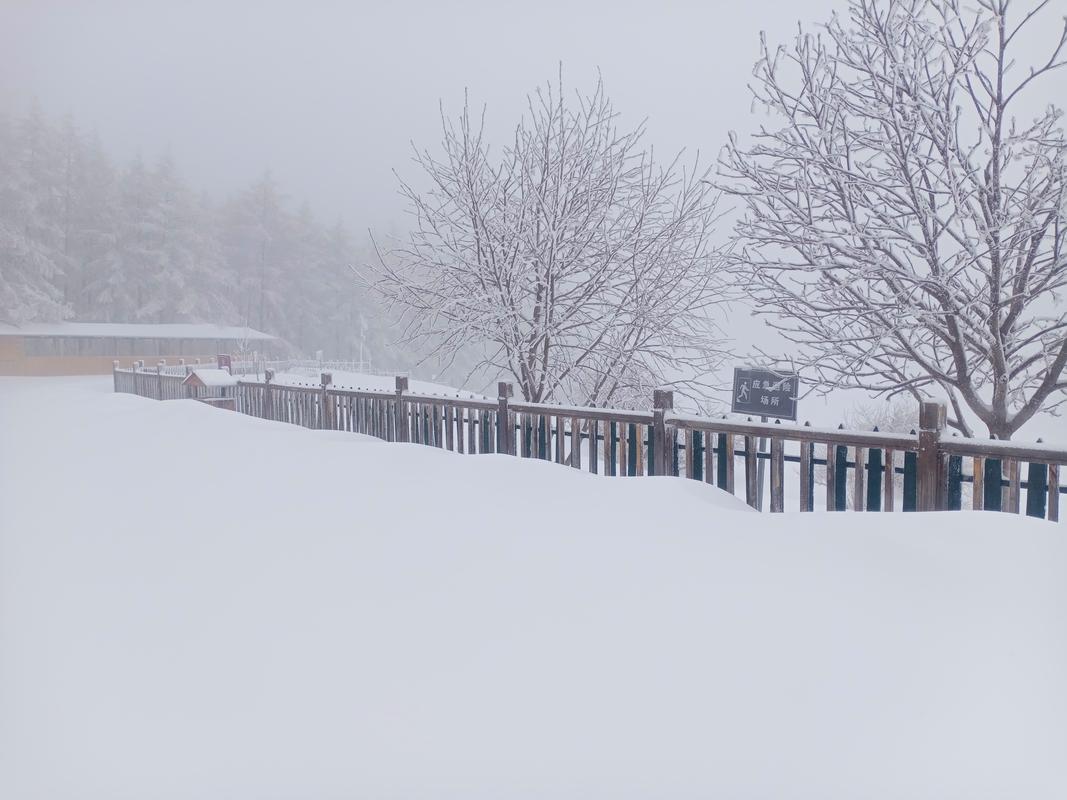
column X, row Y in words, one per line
column 197, row 604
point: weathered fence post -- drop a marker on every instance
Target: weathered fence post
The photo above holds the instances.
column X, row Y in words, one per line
column 324, row 414
column 662, row 402
column 268, row 396
column 505, row 436
column 159, row 379
column 777, row 473
column 1053, row 492
column 991, row 482
column 931, row 424
column 398, row 412
column 807, row 474
column 115, row 373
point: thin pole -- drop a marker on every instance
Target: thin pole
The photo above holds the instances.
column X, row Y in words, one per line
column 761, row 469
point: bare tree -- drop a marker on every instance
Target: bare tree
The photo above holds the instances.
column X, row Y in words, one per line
column 571, row 261
column 905, row 226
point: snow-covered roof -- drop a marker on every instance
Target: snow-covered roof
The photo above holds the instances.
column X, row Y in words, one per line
column 211, row 377
column 136, row 330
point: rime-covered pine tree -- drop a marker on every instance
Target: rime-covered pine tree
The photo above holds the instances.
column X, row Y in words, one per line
column 30, row 274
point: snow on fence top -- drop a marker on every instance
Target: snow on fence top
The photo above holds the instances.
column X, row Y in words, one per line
column 137, row 330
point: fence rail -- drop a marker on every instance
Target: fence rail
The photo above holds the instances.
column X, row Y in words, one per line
column 860, row 470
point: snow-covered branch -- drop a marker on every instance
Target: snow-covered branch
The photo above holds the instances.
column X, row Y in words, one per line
column 905, row 224
column 584, row 269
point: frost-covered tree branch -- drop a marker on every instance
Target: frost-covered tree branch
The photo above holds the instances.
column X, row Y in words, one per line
column 580, row 267
column 905, row 224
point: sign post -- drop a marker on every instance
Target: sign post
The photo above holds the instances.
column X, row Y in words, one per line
column 768, row 393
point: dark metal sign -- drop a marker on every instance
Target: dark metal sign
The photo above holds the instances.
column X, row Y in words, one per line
column 765, row 393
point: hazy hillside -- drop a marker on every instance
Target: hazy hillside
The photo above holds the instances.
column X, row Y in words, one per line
column 85, row 238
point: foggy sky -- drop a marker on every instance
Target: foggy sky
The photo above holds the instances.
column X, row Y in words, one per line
column 328, row 96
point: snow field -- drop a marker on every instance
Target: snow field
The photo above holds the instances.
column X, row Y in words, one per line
column 194, row 603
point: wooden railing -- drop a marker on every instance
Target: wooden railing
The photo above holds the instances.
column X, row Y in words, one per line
column 163, row 381
column 860, row 470
column 159, row 383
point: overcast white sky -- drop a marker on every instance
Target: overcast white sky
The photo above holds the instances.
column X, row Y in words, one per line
column 329, row 95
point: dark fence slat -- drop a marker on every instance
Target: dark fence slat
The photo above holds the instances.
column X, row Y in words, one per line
column 841, row 478
column 1036, row 490
column 612, row 448
column 635, row 451
column 874, row 479
column 993, row 478
column 910, row 501
column 889, row 483
column 831, row 477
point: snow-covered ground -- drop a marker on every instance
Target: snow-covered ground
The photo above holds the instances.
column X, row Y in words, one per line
column 199, row 604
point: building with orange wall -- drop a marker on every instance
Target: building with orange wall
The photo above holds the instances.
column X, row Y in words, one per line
column 90, row 348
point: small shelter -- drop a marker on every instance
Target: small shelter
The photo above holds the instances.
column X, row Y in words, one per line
column 211, row 385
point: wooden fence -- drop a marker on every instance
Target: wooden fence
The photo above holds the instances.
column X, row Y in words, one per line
column 159, row 383
column 165, row 382
column 859, row 470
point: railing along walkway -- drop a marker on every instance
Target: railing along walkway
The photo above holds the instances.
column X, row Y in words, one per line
column 861, row 470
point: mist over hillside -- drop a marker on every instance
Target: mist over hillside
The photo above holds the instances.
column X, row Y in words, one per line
column 85, row 237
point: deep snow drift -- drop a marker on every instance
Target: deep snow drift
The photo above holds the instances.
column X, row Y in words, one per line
column 196, row 604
